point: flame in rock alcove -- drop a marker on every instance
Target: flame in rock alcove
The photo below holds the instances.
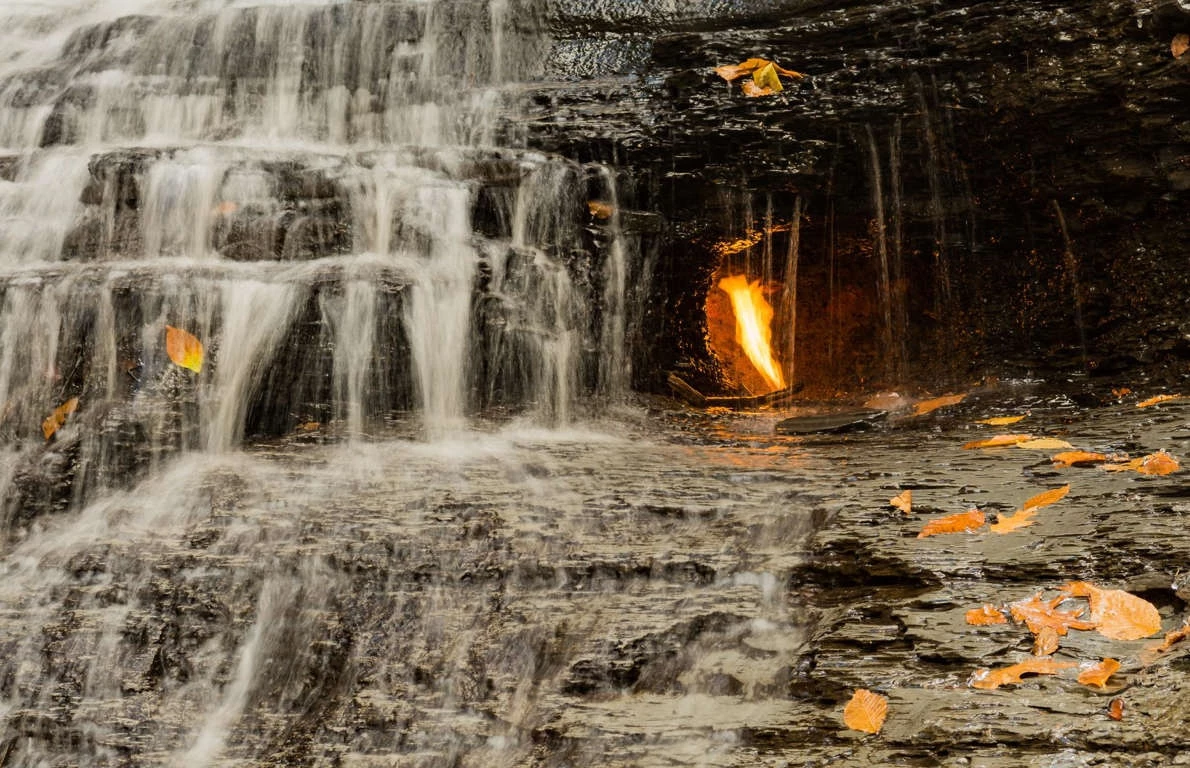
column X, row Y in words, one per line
column 753, row 316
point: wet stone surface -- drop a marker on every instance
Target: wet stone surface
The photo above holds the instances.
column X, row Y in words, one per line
column 670, row 587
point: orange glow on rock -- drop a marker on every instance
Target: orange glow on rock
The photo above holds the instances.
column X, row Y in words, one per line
column 754, row 333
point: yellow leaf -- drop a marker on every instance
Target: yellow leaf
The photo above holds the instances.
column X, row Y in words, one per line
column 997, row 441
column 991, row 679
column 1117, row 614
column 933, row 404
column 1044, row 444
column 1157, row 399
column 1045, row 498
column 183, row 348
column 866, row 711
column 766, row 77
column 959, row 522
column 985, row 615
column 1098, row 674
column 1001, row 421
column 903, row 501
column 1075, row 458
column 56, row 419
column 1009, row 523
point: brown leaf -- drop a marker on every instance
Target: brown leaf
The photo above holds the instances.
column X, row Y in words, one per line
column 1179, row 45
column 1098, row 674
column 1009, row 523
column 1038, row 614
column 985, row 616
column 752, row 90
column 1046, row 498
column 1077, row 458
column 1044, row 444
column 903, row 501
column 928, row 406
column 1117, row 614
column 1045, row 642
column 1002, row 421
column 1115, row 710
column 731, row 72
column 991, row 679
column 997, row 441
column 866, row 711
column 55, row 420
column 1159, row 463
column 1157, row 399
column 309, row 426
column 956, row 523
column 600, row 209
column 183, row 348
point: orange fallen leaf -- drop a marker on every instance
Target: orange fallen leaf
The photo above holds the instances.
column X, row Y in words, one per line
column 600, row 209
column 1045, row 642
column 991, row 679
column 309, row 426
column 956, row 523
column 1037, row 614
column 1044, row 444
column 997, row 441
column 928, row 406
column 1045, row 498
column 866, row 711
column 1179, row 45
column 985, row 616
column 1117, row 614
column 752, row 90
column 1118, row 393
column 1077, row 458
column 1002, row 421
column 903, row 501
column 1009, row 523
column 1098, row 674
column 1157, row 399
column 183, row 348
column 55, row 420
column 1115, row 710
column 1159, row 463
column 731, row 72
column 1171, row 637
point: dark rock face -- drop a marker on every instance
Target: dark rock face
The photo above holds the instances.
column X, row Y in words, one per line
column 1022, row 169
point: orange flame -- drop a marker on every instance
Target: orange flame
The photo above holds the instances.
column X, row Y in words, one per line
column 753, row 314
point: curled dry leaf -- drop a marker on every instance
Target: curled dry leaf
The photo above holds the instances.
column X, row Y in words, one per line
column 1002, row 421
column 1117, row 614
column 766, row 77
column 933, row 404
column 1077, row 458
column 55, row 420
column 1044, row 444
column 1171, row 637
column 1179, row 45
column 997, row 441
column 1045, row 642
column 183, row 348
column 985, row 616
column 1098, row 674
column 1038, row 614
column 991, row 679
column 1157, row 399
column 866, row 711
column 1045, row 498
column 903, row 501
column 1009, row 523
column 1115, row 710
column 1159, row 463
column 956, row 523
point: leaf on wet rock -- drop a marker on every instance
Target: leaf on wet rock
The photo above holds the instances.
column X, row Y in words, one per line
column 730, row 72
column 766, row 77
column 1159, row 463
column 1008, row 523
column 933, row 404
column 1158, row 399
column 1117, row 614
column 1115, row 710
column 1038, row 614
column 55, row 420
column 903, row 501
column 1179, row 45
column 1171, row 637
column 1045, row 498
column 183, row 348
column 997, row 441
column 1044, row 444
column 1002, row 421
column 1078, row 458
column 599, row 209
column 752, row 90
column 866, row 711
column 960, row 522
column 1098, row 674
column 986, row 615
column 991, row 679
column 1045, row 642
